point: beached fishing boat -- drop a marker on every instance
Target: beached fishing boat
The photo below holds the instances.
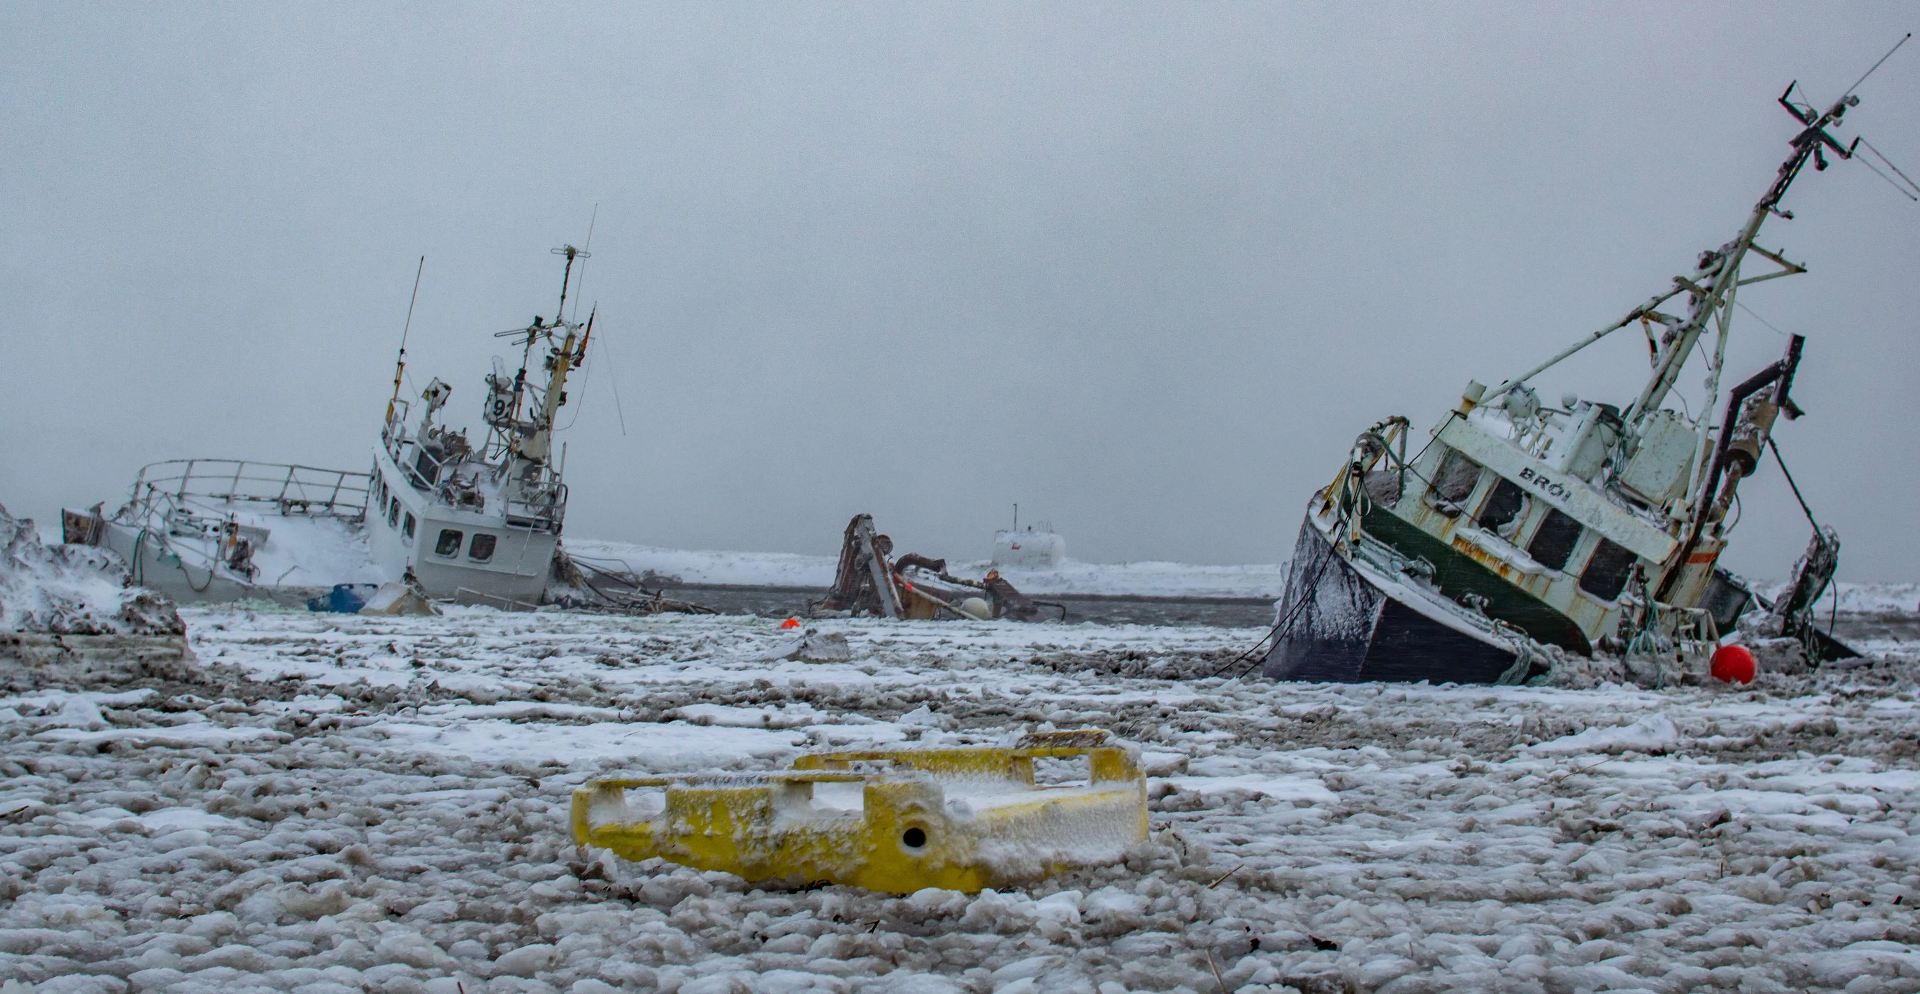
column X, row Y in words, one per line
column 1524, row 532
column 478, row 524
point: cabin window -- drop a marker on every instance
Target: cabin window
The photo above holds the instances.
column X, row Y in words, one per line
column 393, row 513
column 482, row 548
column 1454, row 482
column 1554, row 540
column 1607, row 571
column 407, row 530
column 1502, row 509
column 1382, row 486
column 448, row 543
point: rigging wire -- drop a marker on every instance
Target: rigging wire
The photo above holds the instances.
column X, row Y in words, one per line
column 1770, row 325
column 1882, row 156
column 1877, row 65
column 1890, row 181
column 1794, row 486
column 1832, row 615
column 1282, row 626
column 614, row 378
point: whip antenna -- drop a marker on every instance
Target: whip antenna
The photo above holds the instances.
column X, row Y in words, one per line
column 580, row 288
column 400, row 365
column 1876, row 65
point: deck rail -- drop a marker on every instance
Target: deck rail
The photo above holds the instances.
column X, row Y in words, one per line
column 289, row 488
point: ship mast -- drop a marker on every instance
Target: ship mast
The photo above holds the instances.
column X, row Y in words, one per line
column 526, row 445
column 1717, row 277
column 538, row 444
column 400, row 364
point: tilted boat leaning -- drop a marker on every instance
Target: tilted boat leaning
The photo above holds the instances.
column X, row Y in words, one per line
column 480, row 524
column 1523, row 532
column 475, row 524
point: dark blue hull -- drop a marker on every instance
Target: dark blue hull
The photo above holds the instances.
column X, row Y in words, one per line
column 1339, row 627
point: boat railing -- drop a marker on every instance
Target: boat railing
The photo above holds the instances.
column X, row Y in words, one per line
column 290, row 489
column 544, row 507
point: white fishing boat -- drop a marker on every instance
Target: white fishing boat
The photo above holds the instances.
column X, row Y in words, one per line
column 476, row 524
column 480, row 524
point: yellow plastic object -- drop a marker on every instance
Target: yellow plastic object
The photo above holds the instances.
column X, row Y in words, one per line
column 962, row 819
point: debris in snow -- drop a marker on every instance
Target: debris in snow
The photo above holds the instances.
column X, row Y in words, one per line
column 811, row 646
column 822, row 647
column 395, row 597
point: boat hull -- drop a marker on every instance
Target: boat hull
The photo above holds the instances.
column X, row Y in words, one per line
column 151, row 565
column 1341, row 625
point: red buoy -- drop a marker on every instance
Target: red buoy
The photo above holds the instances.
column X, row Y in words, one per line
column 795, row 623
column 1732, row 664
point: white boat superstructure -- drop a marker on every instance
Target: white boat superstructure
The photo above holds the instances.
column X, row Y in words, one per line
column 480, row 524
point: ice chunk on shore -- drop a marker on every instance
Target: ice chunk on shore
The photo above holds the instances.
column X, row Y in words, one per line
column 1653, row 735
column 72, row 589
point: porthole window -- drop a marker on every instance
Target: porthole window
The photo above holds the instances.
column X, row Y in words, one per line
column 482, row 548
column 449, row 542
column 409, row 528
column 393, row 513
column 1607, row 571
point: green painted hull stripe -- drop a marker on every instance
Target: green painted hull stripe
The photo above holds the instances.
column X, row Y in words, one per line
column 1456, row 573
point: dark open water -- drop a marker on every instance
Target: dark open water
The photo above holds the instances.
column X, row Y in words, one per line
column 1223, row 612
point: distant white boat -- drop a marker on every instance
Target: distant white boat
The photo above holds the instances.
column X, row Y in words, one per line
column 1031, row 547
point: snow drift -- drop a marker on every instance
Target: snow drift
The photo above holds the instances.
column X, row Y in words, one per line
column 72, row 589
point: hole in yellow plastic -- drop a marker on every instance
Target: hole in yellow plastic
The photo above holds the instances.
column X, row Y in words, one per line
column 915, row 838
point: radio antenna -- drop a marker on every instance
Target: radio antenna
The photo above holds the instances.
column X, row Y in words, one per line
column 580, row 288
column 1877, row 65
column 400, row 365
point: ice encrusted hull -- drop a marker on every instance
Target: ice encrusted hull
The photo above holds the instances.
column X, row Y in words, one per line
column 1345, row 629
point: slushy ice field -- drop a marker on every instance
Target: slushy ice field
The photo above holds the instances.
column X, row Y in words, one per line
column 344, row 804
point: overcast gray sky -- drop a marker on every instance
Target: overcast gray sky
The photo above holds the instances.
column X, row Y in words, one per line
column 1145, row 269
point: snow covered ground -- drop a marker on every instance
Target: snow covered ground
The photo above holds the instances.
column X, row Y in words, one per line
column 344, row 804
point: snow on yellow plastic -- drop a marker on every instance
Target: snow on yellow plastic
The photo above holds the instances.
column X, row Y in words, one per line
column 887, row 820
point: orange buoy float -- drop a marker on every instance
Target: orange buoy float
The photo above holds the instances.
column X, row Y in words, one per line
column 1732, row 664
